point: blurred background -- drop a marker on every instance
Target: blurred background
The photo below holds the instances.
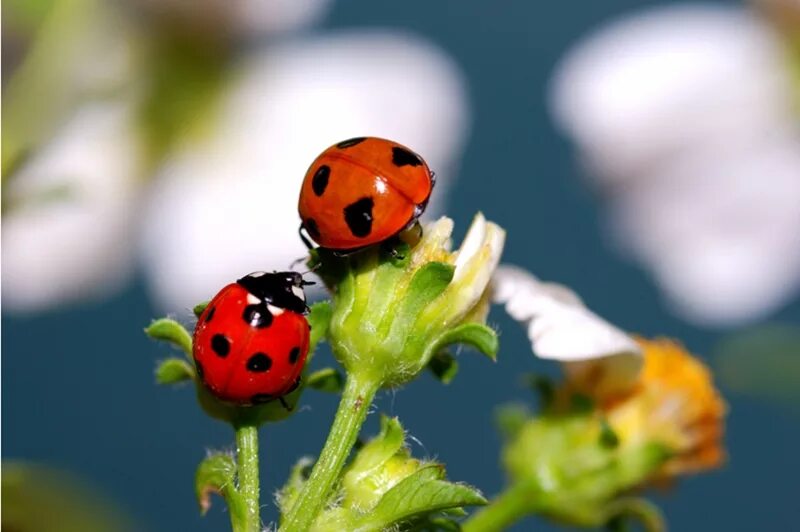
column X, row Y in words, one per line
column 644, row 153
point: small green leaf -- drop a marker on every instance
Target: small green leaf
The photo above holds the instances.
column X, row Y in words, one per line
column 622, row 511
column 297, row 478
column 174, row 370
column 326, row 380
column 376, row 451
column 169, row 330
column 217, row 474
column 421, row 493
column 511, row 418
column 444, row 366
column 200, row 307
column 319, row 318
column 479, row 336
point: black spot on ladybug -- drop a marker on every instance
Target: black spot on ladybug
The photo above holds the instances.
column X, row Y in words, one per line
column 293, row 355
column 261, row 398
column 220, row 345
column 199, row 368
column 350, row 142
column 210, row 314
column 320, row 180
column 403, row 157
column 358, row 216
column 259, row 363
column 311, row 226
column 257, row 315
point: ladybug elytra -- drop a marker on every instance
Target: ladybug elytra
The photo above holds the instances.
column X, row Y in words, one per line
column 251, row 341
column 363, row 191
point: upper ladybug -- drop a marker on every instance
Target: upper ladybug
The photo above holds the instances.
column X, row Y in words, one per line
column 363, row 191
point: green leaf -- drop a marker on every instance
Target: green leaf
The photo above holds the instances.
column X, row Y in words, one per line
column 297, row 479
column 169, row 330
column 421, row 493
column 200, row 307
column 174, row 370
column 326, row 380
column 479, row 336
column 319, row 318
column 217, row 474
column 376, row 451
column 444, row 366
column 608, row 438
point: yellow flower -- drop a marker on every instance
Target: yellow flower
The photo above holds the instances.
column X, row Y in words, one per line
column 675, row 404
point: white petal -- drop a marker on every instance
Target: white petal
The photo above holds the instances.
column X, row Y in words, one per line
column 561, row 328
column 663, row 80
column 229, row 205
column 80, row 245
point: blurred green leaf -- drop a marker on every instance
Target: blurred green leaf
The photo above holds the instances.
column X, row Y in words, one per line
column 174, row 370
column 328, row 380
column 39, row 499
column 511, row 418
column 763, row 362
column 319, row 318
column 199, row 308
column 169, row 330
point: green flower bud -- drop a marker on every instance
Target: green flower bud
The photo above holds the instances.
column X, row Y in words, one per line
column 383, row 486
column 392, row 315
column 575, row 467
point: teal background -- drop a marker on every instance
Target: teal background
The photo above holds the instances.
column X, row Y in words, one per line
column 77, row 383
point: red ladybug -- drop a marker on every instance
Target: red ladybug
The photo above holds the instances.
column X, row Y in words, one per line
column 363, row 191
column 251, row 341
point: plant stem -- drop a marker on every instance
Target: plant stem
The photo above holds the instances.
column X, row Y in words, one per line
column 356, row 399
column 509, row 507
column 247, row 456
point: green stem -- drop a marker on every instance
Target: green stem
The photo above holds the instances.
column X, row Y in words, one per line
column 356, row 399
column 247, row 456
column 516, row 502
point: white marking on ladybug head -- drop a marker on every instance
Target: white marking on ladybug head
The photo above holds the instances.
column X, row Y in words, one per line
column 275, row 311
column 258, row 274
column 252, row 300
column 298, row 291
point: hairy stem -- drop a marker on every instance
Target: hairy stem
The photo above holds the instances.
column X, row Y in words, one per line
column 247, row 456
column 516, row 502
column 356, row 400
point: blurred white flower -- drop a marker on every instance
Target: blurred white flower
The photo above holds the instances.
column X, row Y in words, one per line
column 561, row 328
column 684, row 115
column 68, row 232
column 228, row 204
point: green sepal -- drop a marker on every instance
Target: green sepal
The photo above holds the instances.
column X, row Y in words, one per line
column 328, row 380
column 200, row 307
column 443, row 366
column 375, row 452
column 423, row 492
column 169, row 330
column 217, row 474
column 173, row 371
column 481, row 337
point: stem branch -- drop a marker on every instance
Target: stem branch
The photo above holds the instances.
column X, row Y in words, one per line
column 247, row 456
column 509, row 507
column 356, row 400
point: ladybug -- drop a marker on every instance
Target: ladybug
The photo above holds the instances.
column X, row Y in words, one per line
column 363, row 191
column 251, row 341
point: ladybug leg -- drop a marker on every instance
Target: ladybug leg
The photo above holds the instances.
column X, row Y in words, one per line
column 301, row 231
column 285, row 404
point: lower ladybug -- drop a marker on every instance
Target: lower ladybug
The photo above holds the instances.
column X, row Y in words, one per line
column 363, row 191
column 251, row 341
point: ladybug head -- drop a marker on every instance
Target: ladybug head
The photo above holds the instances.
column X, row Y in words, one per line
column 280, row 289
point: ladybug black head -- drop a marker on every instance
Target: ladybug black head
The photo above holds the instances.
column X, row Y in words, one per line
column 280, row 289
